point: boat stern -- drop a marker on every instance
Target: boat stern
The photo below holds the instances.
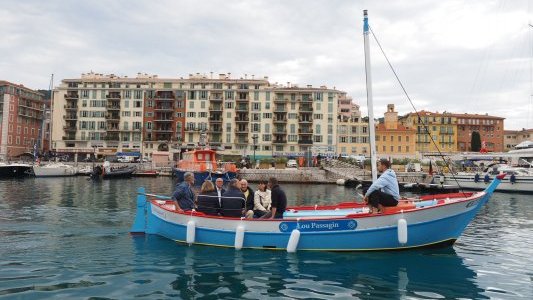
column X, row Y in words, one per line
column 139, row 225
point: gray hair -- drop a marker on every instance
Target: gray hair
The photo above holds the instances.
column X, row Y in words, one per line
column 188, row 175
column 234, row 182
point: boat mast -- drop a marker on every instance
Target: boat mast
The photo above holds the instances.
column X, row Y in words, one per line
column 370, row 104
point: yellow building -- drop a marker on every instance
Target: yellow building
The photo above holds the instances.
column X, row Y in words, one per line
column 441, row 126
column 394, row 139
column 352, row 131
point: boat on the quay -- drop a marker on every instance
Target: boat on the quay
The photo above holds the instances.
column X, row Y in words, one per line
column 203, row 164
column 54, row 170
column 15, row 170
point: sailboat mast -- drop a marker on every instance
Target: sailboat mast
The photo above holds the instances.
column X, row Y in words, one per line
column 369, row 101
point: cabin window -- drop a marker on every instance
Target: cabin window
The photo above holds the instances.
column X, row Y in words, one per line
column 200, row 156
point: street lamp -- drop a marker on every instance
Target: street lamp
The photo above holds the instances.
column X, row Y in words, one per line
column 254, row 137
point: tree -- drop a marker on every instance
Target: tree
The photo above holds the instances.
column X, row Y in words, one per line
column 475, row 142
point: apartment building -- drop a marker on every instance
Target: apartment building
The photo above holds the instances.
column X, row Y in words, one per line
column 21, row 120
column 515, row 137
column 352, row 130
column 394, row 139
column 441, row 127
column 490, row 129
column 106, row 114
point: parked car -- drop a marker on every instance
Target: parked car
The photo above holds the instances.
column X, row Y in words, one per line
column 291, row 163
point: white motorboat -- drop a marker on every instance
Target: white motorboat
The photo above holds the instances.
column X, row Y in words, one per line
column 54, row 170
column 518, row 179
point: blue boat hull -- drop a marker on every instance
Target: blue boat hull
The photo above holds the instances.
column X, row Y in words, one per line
column 425, row 227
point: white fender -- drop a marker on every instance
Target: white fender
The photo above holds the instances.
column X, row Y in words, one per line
column 341, row 181
column 239, row 237
column 402, row 231
column 191, row 231
column 293, row 241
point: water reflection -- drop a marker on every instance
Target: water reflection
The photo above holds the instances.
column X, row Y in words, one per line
column 203, row 271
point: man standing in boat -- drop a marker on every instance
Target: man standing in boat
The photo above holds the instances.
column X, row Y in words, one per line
column 384, row 191
column 183, row 195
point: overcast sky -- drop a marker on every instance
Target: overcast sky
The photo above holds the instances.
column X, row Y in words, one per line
column 458, row 56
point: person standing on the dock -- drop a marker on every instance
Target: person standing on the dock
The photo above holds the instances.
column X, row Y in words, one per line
column 279, row 200
column 183, row 195
column 384, row 191
column 219, row 186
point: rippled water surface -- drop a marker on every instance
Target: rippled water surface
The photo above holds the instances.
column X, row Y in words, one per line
column 67, row 238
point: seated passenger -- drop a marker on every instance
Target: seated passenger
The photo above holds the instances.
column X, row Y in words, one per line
column 384, row 191
column 207, row 201
column 183, row 196
column 233, row 201
column 262, row 200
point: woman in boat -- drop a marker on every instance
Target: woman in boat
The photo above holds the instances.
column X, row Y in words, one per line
column 207, row 201
column 262, row 200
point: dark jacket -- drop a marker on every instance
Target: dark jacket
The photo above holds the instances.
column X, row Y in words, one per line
column 222, row 191
column 208, row 203
column 232, row 203
column 250, row 199
column 184, row 196
column 279, row 201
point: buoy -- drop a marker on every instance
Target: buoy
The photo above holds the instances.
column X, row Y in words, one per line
column 293, row 241
column 402, row 231
column 341, row 181
column 191, row 230
column 239, row 237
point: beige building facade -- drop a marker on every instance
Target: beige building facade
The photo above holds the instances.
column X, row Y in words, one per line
column 108, row 114
column 352, row 131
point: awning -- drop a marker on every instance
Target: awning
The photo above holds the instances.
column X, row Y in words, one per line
column 128, row 154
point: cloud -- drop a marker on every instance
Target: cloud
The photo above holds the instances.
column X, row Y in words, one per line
column 461, row 56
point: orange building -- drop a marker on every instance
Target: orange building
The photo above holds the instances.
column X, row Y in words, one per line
column 490, row 129
column 394, row 139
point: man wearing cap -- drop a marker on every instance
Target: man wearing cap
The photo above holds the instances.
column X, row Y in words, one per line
column 384, row 191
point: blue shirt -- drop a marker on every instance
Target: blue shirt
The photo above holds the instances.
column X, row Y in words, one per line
column 387, row 183
column 184, row 195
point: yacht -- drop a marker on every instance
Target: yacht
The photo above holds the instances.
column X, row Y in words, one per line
column 15, row 170
column 54, row 170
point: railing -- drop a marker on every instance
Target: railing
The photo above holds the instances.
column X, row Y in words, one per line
column 305, row 142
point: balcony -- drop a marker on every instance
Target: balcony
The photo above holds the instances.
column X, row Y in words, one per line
column 279, row 141
column 216, row 98
column 215, row 108
column 280, row 119
column 191, row 129
column 71, row 96
column 241, row 130
column 306, row 108
column 281, row 100
column 305, row 131
column 164, row 108
column 69, row 138
column 113, row 128
column 164, row 96
column 280, row 131
column 163, row 129
column 70, row 107
column 304, row 120
column 308, row 99
column 241, row 108
column 69, row 128
column 113, row 96
column 305, row 142
column 70, row 117
column 113, row 107
column 215, row 120
column 242, row 119
column 163, row 119
column 279, row 109
column 215, row 129
column 239, row 99
column 112, row 117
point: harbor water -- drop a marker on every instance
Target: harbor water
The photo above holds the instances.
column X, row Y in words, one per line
column 67, row 238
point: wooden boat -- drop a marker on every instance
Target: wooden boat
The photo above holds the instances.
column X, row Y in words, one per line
column 204, row 166
column 438, row 220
